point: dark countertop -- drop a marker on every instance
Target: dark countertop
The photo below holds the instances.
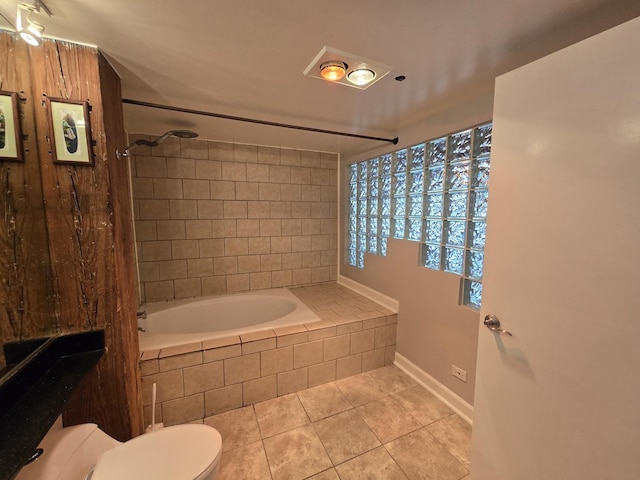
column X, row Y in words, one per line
column 39, row 379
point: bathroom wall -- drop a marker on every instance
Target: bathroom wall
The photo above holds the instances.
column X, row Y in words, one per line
column 434, row 331
column 88, row 225
column 215, row 217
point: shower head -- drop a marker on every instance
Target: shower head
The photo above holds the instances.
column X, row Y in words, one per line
column 157, row 141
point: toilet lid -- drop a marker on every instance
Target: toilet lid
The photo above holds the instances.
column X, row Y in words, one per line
column 172, row 453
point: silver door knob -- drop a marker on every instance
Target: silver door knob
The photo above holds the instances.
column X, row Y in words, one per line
column 492, row 323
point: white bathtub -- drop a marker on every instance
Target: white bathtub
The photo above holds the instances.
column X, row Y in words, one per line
column 187, row 321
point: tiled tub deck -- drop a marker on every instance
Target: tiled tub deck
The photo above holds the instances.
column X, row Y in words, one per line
column 201, row 379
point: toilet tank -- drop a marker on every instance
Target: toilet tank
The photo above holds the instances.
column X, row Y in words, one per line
column 69, row 453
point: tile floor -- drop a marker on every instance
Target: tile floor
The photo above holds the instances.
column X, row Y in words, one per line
column 375, row 425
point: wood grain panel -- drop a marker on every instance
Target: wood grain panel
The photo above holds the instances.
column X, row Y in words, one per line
column 26, row 294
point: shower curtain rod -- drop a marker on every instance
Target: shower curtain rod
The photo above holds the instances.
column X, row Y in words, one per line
column 252, row 120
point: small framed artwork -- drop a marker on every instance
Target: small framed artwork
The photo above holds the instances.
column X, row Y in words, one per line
column 70, row 131
column 10, row 134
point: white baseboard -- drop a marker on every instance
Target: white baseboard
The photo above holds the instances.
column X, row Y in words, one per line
column 370, row 293
column 456, row 403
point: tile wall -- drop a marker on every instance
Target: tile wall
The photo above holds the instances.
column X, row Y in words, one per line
column 215, row 217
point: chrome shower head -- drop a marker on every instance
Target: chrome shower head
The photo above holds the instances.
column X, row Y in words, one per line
column 157, row 141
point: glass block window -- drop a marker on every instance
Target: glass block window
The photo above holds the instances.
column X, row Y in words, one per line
column 435, row 193
column 456, row 207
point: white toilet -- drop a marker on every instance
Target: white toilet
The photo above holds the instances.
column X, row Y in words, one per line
column 84, row 452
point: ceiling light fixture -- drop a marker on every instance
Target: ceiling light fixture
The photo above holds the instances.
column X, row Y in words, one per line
column 32, row 32
column 361, row 76
column 333, row 70
column 346, row 69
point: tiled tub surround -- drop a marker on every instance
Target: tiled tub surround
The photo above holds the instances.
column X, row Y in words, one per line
column 215, row 217
column 201, row 379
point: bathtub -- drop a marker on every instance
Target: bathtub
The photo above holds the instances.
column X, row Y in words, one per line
column 187, row 321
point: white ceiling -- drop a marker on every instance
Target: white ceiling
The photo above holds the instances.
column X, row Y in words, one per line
column 246, row 57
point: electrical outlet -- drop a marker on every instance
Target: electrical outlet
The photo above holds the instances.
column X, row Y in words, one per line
column 459, row 373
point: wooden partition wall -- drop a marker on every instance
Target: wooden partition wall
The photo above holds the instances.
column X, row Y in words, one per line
column 89, row 234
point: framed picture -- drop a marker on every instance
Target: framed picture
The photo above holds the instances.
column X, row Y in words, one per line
column 10, row 134
column 70, row 131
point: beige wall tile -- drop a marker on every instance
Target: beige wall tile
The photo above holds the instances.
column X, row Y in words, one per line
column 249, row 264
column 258, row 209
column 279, row 174
column 269, row 228
column 311, row 259
column 241, row 369
column 145, row 230
column 276, row 361
column 292, row 339
column 280, row 244
column 385, row 336
column 292, row 381
column 238, row 283
column 347, row 366
column 180, row 349
column 258, row 346
column 184, row 249
column 300, row 175
column 222, row 190
column 172, row 269
column 269, row 155
column 329, row 194
column 194, row 148
column 171, row 229
column 225, row 265
column 183, row 410
column 223, row 228
column 150, row 166
column 308, row 354
column 336, row 347
column 214, row 285
column 269, row 191
column 169, row 148
column 221, row 342
column 147, row 413
column 322, row 373
column 211, row 247
column 201, row 378
column 200, row 267
column 309, row 159
column 320, row 242
column 372, row 359
column 236, row 246
column 362, row 341
column 280, row 209
column 181, row 167
column 208, row 170
column 142, row 188
column 389, row 355
column 311, row 226
column 301, row 276
column 169, row 386
column 156, row 250
column 312, row 193
column 321, row 333
column 195, row 189
column 158, row 290
column 289, row 157
column 248, row 228
column 223, row 399
column 329, row 226
column 234, row 171
column 247, row 191
column 291, row 260
column 260, row 281
column 235, row 209
column 245, row 153
column 291, row 226
column 290, row 192
column 372, row 320
column 198, row 229
column 257, row 173
column 300, row 243
column 220, row 151
column 300, row 209
column 320, row 176
column 189, row 287
column 167, row 188
column 154, row 209
column 259, row 390
column 320, row 274
column 149, row 367
column 270, row 262
column 183, row 209
column 280, row 278
column 329, row 258
column 221, row 353
column 260, row 245
column 329, row 160
column 210, row 209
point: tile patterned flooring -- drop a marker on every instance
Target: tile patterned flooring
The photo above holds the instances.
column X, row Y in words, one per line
column 375, row 425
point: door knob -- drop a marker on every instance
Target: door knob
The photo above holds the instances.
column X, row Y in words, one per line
column 492, row 323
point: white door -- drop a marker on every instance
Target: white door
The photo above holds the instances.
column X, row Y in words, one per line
column 560, row 399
